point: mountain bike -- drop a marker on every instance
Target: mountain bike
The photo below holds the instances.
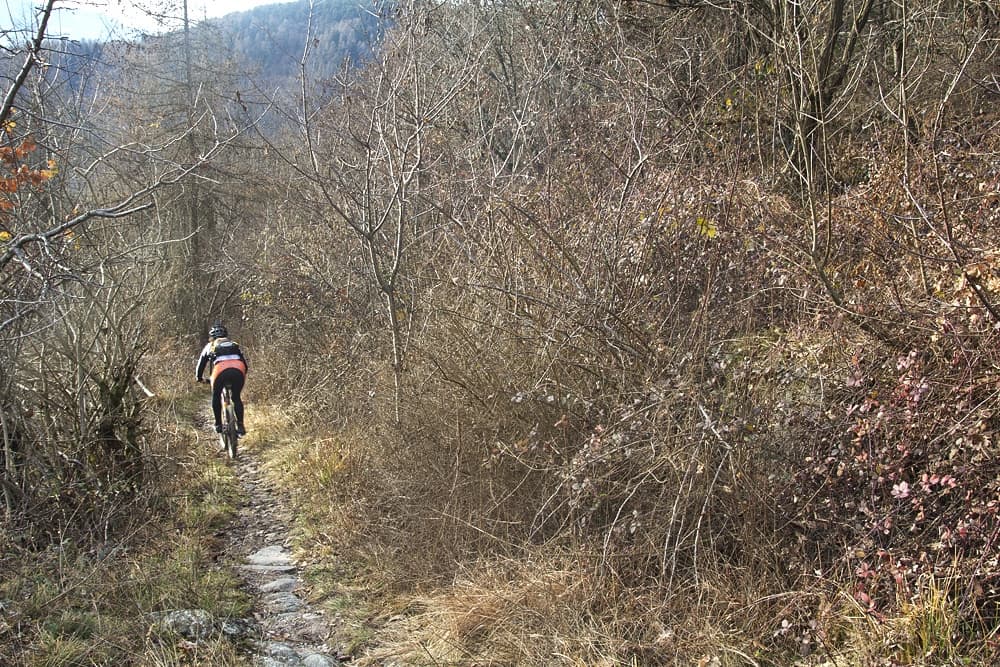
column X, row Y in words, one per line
column 228, row 437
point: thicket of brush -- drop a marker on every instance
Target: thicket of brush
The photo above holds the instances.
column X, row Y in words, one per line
column 108, row 504
column 631, row 332
column 655, row 331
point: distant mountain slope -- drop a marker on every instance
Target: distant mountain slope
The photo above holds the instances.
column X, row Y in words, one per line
column 262, row 46
column 269, row 40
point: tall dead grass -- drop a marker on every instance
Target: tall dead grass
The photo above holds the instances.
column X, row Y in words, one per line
column 86, row 601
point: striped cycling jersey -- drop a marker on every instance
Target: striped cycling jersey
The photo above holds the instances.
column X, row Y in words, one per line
column 220, row 362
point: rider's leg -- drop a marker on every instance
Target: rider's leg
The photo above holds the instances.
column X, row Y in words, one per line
column 234, row 378
column 238, row 405
column 217, row 386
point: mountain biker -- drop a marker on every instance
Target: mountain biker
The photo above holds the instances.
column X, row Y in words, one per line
column 228, row 367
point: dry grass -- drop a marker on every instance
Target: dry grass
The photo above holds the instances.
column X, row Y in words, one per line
column 498, row 613
column 927, row 630
column 83, row 603
column 67, row 607
column 552, row 609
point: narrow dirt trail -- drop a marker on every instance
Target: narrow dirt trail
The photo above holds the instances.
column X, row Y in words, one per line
column 290, row 631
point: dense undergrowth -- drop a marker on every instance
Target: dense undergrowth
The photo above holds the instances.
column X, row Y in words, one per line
column 659, row 334
column 88, row 598
column 618, row 333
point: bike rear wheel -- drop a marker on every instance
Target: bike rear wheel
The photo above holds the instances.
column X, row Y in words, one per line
column 228, row 437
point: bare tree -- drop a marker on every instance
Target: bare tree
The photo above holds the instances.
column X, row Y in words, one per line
column 365, row 165
column 77, row 247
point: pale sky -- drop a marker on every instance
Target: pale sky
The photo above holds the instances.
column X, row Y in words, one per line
column 99, row 19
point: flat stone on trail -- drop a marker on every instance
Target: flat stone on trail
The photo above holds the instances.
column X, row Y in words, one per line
column 235, row 628
column 283, row 585
column 300, row 627
column 320, row 660
column 273, row 555
column 283, row 602
column 276, row 569
column 282, row 653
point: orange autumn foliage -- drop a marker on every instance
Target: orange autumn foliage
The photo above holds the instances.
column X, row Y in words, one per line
column 16, row 173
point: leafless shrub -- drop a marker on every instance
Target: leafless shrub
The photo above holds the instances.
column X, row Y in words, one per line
column 650, row 289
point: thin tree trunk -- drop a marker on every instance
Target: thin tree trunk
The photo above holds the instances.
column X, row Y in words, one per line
column 8, row 460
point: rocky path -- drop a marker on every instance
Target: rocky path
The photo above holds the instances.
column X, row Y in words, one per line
column 289, row 631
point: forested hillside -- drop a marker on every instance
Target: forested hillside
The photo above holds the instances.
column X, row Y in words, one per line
column 607, row 332
column 269, row 40
column 261, row 48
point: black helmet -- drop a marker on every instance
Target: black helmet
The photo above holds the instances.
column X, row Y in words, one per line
column 217, row 331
